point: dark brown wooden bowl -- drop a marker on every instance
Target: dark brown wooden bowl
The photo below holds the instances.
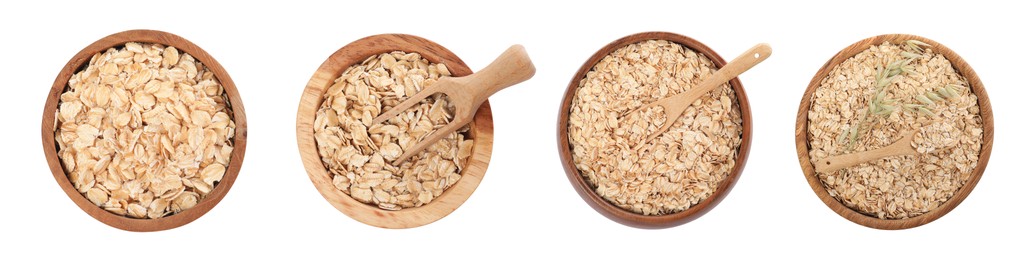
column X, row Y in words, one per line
column 312, row 97
column 635, row 219
column 79, row 61
column 801, row 135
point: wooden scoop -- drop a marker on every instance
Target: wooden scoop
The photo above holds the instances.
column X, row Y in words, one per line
column 675, row 105
column 901, row 147
column 466, row 93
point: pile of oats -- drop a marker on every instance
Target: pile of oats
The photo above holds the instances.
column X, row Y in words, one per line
column 896, row 187
column 358, row 154
column 144, row 131
column 682, row 166
column 935, row 136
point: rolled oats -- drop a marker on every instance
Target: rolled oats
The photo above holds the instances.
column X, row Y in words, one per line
column 682, row 166
column 144, row 131
column 935, row 136
column 897, row 187
column 358, row 153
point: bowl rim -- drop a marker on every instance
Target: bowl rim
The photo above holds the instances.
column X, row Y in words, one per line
column 634, row 219
column 115, row 40
column 801, row 134
column 332, row 68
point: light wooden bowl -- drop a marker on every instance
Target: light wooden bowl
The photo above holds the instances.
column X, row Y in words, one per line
column 801, row 135
column 312, row 97
column 80, row 61
column 635, row 219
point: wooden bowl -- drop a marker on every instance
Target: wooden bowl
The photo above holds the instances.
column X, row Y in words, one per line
column 621, row 215
column 312, row 97
column 80, row 61
column 801, row 128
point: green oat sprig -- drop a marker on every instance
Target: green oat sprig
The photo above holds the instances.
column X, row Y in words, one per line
column 916, row 45
column 880, row 104
column 930, row 98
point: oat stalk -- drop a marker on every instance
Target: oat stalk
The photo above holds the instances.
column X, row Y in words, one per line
column 943, row 94
column 880, row 105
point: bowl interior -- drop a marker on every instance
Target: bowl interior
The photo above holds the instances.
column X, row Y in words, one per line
column 618, row 214
column 79, row 61
column 801, row 134
column 312, row 97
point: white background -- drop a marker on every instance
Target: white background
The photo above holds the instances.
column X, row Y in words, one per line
column 525, row 206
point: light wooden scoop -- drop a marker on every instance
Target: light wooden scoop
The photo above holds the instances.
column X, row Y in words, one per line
column 466, row 93
column 675, row 105
column 901, row 147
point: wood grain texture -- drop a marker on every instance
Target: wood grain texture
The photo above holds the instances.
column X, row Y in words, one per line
column 312, row 97
column 801, row 136
column 635, row 219
column 79, row 61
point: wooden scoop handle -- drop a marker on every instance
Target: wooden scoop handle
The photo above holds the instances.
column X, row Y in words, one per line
column 512, row 67
column 676, row 104
column 831, row 164
column 738, row 65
